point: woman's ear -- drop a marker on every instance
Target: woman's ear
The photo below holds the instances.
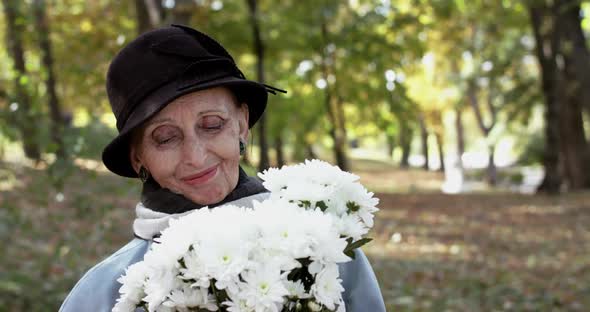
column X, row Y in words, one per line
column 134, row 157
column 244, row 115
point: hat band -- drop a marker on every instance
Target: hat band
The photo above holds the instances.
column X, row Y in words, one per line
column 192, row 76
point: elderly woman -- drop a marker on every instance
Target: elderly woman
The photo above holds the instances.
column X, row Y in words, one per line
column 183, row 111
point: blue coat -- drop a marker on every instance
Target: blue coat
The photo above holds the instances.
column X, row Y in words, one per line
column 98, row 290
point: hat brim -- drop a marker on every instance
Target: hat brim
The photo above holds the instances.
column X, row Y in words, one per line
column 116, row 155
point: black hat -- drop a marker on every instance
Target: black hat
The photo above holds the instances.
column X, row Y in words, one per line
column 160, row 66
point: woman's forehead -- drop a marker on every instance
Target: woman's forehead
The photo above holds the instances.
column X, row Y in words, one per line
column 203, row 101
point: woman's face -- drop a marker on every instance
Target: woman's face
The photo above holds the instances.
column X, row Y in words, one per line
column 192, row 146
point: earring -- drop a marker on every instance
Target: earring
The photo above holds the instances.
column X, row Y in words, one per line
column 144, row 174
column 242, row 147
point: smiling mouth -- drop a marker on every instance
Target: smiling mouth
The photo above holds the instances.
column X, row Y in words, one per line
column 201, row 177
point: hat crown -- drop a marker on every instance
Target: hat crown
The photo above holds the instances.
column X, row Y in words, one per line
column 160, row 66
column 158, row 57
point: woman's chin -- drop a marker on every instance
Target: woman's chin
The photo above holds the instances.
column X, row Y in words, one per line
column 206, row 196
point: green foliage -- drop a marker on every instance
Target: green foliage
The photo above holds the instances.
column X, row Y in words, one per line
column 534, row 150
column 351, row 246
column 365, row 39
column 89, row 140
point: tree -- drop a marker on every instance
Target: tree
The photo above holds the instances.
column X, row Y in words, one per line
column 576, row 59
column 56, row 116
column 258, row 44
column 424, row 141
column 331, row 101
column 556, row 37
column 182, row 12
column 149, row 14
column 24, row 117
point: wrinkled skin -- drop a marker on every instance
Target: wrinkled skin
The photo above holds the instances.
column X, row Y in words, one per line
column 192, row 145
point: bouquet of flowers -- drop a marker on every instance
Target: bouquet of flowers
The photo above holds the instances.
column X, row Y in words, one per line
column 280, row 255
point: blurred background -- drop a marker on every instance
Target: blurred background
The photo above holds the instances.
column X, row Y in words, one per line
column 469, row 119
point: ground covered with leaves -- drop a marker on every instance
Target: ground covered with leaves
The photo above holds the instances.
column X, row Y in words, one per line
column 486, row 252
column 432, row 252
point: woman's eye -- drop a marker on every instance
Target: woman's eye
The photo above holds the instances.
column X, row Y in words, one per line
column 164, row 136
column 165, row 140
column 212, row 123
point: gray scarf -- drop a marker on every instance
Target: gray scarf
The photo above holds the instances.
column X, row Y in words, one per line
column 163, row 200
column 158, row 205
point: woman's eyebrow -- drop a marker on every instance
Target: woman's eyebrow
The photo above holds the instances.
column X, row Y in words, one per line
column 168, row 119
column 157, row 121
column 213, row 110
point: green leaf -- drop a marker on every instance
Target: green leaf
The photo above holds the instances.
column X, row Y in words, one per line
column 322, row 205
column 349, row 250
column 352, row 206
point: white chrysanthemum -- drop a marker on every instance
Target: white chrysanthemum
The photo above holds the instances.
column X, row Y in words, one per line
column 124, row 305
column 327, row 288
column 308, row 191
column 225, row 256
column 297, row 179
column 161, row 281
column 238, row 305
column 133, row 282
column 341, row 306
column 361, row 199
column 283, row 229
column 195, row 270
column 327, row 173
column 296, row 289
column 351, row 226
column 319, row 184
column 163, row 308
column 274, row 179
column 327, row 245
column 185, row 298
column 264, row 289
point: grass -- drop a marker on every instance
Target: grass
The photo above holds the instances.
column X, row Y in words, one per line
column 432, row 252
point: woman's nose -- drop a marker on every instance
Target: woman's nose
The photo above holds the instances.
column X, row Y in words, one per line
column 194, row 153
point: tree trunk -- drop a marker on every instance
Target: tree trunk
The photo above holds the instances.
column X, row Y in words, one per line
column 279, row 150
column 259, row 50
column 485, row 129
column 547, row 41
column 309, row 151
column 573, row 136
column 460, row 130
column 142, row 17
column 57, row 120
column 574, row 45
column 339, row 107
column 492, row 171
column 149, row 14
column 405, row 138
column 390, row 145
column 183, row 11
column 24, row 117
column 441, row 151
column 337, row 136
column 424, row 139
